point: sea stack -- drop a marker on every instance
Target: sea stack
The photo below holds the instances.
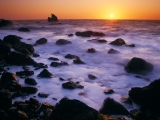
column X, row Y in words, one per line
column 53, row 18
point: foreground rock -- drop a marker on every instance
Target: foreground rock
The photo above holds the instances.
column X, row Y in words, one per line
column 30, row 81
column 63, row 42
column 41, row 41
column 118, row 41
column 4, row 48
column 15, row 58
column 11, row 39
column 53, row 18
column 138, row 65
column 147, row 97
column 91, row 50
column 89, row 34
column 98, row 40
column 23, row 48
column 112, row 107
column 68, row 109
column 70, row 56
column 71, row 85
column 4, row 23
column 78, row 61
column 5, row 100
column 56, row 64
column 23, row 29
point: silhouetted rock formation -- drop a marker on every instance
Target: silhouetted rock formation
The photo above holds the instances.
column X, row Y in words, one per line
column 52, row 18
column 23, row 29
column 4, row 23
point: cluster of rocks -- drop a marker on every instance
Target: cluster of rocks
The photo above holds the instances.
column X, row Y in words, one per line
column 89, row 34
column 4, row 23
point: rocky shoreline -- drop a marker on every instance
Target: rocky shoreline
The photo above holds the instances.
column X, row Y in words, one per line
column 15, row 52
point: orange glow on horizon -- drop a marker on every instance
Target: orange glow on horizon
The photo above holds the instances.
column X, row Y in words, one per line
column 75, row 9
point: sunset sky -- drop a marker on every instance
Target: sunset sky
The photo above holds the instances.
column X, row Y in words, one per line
column 80, row 9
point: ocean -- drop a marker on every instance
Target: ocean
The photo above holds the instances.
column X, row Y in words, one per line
column 108, row 68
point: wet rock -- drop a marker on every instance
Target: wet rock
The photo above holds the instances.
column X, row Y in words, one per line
column 89, row 34
column 118, row 41
column 23, row 29
column 4, row 23
column 112, row 107
column 108, row 91
column 68, row 109
column 7, row 77
column 63, row 42
column 47, row 114
column 70, row 56
column 46, row 105
column 53, row 18
column 92, row 77
column 147, row 97
column 56, row 64
column 70, row 35
column 5, row 100
column 36, row 55
column 4, row 48
column 98, row 40
column 137, row 65
column 26, row 68
column 15, row 58
column 113, row 51
column 91, row 50
column 18, row 115
column 43, row 95
column 40, row 65
column 23, row 48
column 126, row 100
column 29, row 89
column 78, row 61
column 138, row 115
column 13, row 86
column 11, row 39
column 41, row 41
column 130, row 45
column 3, row 115
column 24, row 73
column 45, row 74
column 30, row 81
column 53, row 58
column 71, row 85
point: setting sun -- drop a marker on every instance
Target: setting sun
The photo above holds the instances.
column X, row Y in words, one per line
column 111, row 15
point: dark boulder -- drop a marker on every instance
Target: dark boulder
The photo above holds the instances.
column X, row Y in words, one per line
column 68, row 109
column 24, row 73
column 89, row 34
column 7, row 77
column 29, row 89
column 113, row 51
column 18, row 115
column 137, row 65
column 23, row 29
column 147, row 97
column 36, row 55
column 112, row 107
column 56, row 64
column 41, row 41
column 15, row 58
column 53, row 18
column 43, row 95
column 5, row 100
column 138, row 115
column 118, row 41
column 70, row 56
column 13, row 86
column 4, row 48
column 78, row 61
column 23, row 48
column 130, row 45
column 92, row 77
column 30, row 81
column 70, row 35
column 108, row 91
column 98, row 40
column 40, row 65
column 45, row 74
column 53, row 58
column 63, row 42
column 72, row 85
column 11, row 39
column 4, row 23
column 3, row 115
column 91, row 50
